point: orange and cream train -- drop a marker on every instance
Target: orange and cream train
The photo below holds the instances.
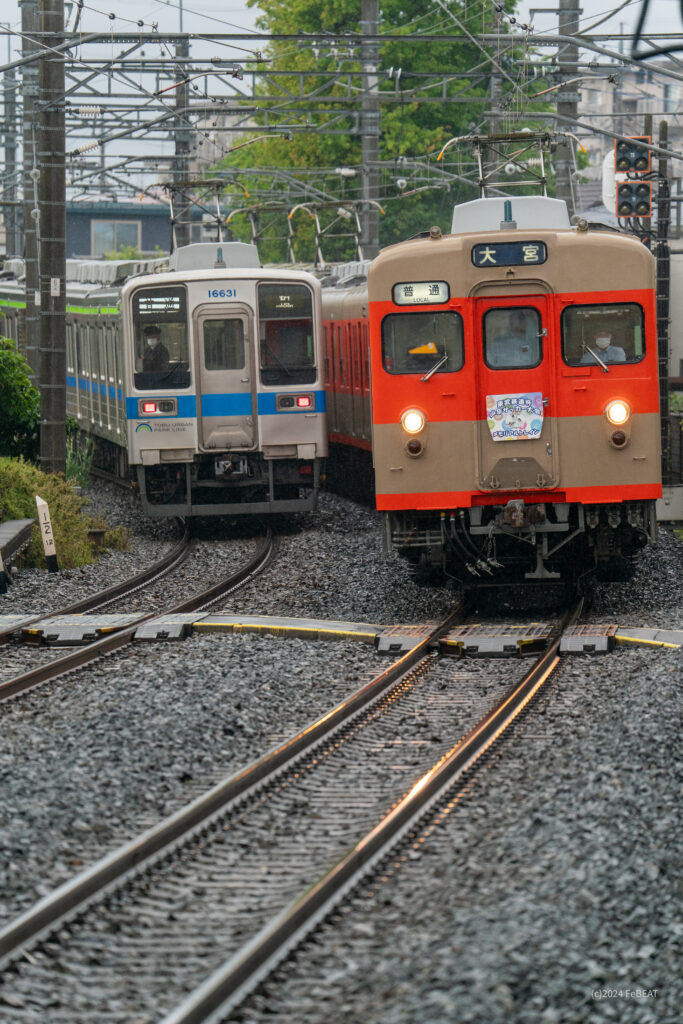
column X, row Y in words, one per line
column 505, row 378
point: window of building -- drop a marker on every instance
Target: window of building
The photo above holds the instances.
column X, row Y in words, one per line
column 612, row 333
column 112, row 235
column 417, row 342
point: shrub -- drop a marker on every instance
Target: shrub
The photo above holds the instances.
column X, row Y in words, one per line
column 20, row 482
column 19, row 404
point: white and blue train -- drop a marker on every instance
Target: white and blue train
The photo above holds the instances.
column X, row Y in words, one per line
column 202, row 372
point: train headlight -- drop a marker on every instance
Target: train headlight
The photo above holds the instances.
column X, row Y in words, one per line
column 412, row 421
column 618, row 412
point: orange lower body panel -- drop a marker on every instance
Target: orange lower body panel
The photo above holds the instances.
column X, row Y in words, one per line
column 468, row 499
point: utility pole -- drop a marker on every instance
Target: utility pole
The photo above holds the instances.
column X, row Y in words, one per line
column 52, row 188
column 181, row 207
column 30, row 27
column 663, row 259
column 369, row 214
column 11, row 213
column 567, row 100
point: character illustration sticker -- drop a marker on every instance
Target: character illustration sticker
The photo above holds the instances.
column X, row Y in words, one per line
column 515, row 417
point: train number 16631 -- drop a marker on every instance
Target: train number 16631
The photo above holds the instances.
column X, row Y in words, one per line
column 222, row 293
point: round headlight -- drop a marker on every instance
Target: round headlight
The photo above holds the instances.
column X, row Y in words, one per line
column 617, row 412
column 412, row 421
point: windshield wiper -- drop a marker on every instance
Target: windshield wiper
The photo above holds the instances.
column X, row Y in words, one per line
column 597, row 359
column 277, row 359
column 429, row 373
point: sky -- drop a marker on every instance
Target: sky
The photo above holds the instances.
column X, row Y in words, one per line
column 202, row 15
column 215, row 16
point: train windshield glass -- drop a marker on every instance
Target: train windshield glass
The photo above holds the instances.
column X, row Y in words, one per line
column 224, row 344
column 160, row 339
column 512, row 338
column 607, row 333
column 286, row 334
column 420, row 342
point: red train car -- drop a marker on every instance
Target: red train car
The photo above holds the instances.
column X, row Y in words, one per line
column 515, row 410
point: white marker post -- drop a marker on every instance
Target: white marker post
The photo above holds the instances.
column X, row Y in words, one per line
column 47, row 535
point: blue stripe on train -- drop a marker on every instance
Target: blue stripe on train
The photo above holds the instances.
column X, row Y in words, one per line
column 85, row 385
column 227, row 404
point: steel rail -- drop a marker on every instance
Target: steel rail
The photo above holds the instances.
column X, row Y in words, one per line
column 170, row 561
column 228, row 986
column 111, row 642
column 109, row 872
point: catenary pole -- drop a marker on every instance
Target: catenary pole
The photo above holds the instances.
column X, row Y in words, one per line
column 30, row 27
column 11, row 213
column 369, row 216
column 567, row 100
column 51, row 149
column 181, row 206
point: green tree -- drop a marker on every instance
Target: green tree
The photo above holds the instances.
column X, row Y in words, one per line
column 124, row 252
column 19, row 404
column 412, row 133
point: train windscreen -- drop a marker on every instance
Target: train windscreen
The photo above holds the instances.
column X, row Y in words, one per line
column 420, row 342
column 160, row 338
column 605, row 332
column 287, row 354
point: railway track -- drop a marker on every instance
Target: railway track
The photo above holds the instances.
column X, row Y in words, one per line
column 198, row 878
column 119, row 638
column 170, row 561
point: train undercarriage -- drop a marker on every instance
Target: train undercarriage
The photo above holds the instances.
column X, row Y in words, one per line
column 229, row 484
column 523, row 544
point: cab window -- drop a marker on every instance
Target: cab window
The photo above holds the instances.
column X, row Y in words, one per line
column 609, row 333
column 417, row 342
column 512, row 338
column 160, row 342
column 286, row 334
column 224, row 344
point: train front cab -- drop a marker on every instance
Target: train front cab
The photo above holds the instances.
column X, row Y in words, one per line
column 234, row 420
column 523, row 468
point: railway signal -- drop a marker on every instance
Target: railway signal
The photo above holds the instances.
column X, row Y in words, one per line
column 634, row 199
column 632, row 155
column 634, row 195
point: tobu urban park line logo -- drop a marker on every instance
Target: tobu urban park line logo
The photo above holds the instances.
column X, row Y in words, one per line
column 515, row 417
column 141, row 427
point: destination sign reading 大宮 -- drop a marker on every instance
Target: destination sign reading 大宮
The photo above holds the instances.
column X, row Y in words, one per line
column 419, row 293
column 509, row 254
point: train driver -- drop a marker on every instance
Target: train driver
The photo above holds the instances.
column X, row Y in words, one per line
column 603, row 348
column 156, row 354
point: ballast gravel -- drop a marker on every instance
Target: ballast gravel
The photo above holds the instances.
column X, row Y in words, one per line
column 548, row 895
column 568, row 886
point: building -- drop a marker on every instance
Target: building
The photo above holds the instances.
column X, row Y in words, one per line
column 95, row 228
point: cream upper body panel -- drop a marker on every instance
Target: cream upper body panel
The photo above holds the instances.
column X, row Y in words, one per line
column 578, row 261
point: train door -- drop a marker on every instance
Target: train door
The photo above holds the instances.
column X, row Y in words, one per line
column 226, row 399
column 517, row 429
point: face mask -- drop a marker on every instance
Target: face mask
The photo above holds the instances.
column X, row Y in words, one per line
column 602, row 342
column 150, row 343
